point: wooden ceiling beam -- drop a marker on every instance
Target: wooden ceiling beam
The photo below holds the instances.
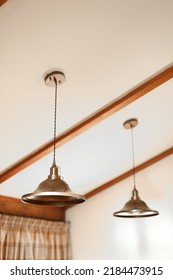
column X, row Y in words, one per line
column 87, row 123
column 127, row 174
column 14, row 206
column 2, row 2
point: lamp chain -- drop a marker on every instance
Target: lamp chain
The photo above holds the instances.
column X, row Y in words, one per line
column 55, row 113
column 133, row 158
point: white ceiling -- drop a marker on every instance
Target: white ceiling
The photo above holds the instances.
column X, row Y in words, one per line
column 105, row 48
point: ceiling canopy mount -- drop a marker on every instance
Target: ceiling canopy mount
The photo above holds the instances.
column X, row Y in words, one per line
column 131, row 123
column 54, row 77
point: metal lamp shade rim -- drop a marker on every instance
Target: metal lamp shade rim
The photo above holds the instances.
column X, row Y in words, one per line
column 142, row 214
column 53, row 198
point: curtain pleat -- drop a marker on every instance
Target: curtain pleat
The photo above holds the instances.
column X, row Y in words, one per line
column 23, row 238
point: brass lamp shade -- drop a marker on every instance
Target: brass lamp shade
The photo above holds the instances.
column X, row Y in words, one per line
column 135, row 208
column 53, row 191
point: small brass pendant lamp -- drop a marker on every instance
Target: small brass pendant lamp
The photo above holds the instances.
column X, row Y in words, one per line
column 53, row 190
column 135, row 207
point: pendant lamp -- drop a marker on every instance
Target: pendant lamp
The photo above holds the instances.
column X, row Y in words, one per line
column 54, row 190
column 135, row 207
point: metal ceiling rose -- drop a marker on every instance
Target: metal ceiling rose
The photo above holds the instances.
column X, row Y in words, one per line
column 131, row 123
column 53, row 76
column 135, row 208
column 53, row 191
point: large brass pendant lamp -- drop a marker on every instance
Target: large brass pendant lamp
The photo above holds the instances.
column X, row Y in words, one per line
column 135, row 207
column 53, row 190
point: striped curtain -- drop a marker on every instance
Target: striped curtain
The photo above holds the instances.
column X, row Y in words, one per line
column 23, row 238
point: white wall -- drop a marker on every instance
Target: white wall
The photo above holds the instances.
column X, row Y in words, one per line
column 96, row 234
